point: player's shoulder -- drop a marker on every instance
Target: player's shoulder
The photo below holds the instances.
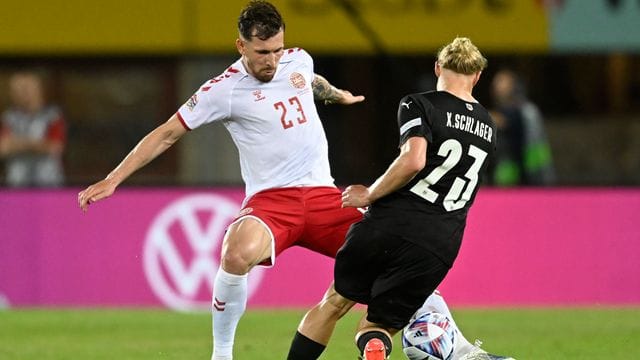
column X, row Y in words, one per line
column 227, row 79
column 296, row 54
column 433, row 96
column 424, row 99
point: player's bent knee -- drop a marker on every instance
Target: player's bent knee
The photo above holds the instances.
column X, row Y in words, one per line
column 236, row 263
column 246, row 245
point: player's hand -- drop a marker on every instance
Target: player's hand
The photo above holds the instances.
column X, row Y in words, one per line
column 95, row 192
column 356, row 196
column 347, row 98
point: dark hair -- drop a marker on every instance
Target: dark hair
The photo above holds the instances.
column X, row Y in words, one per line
column 261, row 16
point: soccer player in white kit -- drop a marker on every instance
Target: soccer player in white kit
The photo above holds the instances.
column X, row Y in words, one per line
column 266, row 101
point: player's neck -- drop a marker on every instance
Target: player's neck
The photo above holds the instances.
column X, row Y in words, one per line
column 246, row 67
column 459, row 89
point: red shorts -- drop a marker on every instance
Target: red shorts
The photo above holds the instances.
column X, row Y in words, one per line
column 311, row 217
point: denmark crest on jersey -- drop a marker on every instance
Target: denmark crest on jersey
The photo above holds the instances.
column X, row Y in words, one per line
column 297, row 80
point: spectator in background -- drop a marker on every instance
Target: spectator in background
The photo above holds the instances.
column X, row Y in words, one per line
column 523, row 154
column 32, row 135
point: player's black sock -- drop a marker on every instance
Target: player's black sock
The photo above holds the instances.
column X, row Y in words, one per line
column 303, row 348
column 364, row 338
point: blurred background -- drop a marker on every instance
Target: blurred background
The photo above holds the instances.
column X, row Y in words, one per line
column 115, row 70
column 81, row 82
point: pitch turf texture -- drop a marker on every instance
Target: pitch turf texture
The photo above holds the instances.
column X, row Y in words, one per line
column 558, row 333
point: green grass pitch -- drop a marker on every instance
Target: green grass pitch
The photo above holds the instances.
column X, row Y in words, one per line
column 530, row 333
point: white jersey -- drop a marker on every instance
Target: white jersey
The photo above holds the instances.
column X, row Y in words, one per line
column 275, row 124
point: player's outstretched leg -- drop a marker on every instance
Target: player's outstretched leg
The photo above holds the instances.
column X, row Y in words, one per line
column 435, row 303
column 247, row 243
column 228, row 305
column 463, row 349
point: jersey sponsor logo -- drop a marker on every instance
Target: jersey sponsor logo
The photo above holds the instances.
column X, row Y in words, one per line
column 192, row 102
column 297, row 80
column 406, row 104
column 258, row 95
column 182, row 248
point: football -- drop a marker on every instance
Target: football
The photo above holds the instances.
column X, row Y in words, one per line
column 430, row 336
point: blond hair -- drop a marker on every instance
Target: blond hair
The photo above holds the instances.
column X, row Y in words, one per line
column 462, row 57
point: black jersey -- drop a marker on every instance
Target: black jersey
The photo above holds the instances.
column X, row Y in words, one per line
column 431, row 209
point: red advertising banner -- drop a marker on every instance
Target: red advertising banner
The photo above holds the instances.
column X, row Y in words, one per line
column 161, row 247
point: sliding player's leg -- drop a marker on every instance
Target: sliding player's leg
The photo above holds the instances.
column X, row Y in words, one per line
column 436, row 303
column 463, row 349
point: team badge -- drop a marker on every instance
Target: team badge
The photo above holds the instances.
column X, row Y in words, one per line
column 297, row 80
column 192, row 102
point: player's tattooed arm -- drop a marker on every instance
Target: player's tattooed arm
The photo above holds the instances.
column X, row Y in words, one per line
column 323, row 90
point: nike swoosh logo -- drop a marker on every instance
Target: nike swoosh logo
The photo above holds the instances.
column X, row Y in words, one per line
column 406, row 104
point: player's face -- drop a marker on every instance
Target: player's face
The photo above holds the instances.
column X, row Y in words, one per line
column 261, row 57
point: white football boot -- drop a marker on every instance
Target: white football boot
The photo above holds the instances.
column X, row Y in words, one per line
column 476, row 353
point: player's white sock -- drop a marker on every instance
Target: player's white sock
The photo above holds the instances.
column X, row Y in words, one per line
column 435, row 303
column 228, row 305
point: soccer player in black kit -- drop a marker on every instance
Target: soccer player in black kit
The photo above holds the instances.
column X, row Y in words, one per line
column 399, row 253
column 411, row 234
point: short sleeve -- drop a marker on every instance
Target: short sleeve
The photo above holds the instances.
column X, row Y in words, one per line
column 301, row 56
column 210, row 103
column 412, row 120
column 307, row 59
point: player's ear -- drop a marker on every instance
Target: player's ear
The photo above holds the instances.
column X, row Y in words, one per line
column 240, row 46
column 436, row 69
column 476, row 78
